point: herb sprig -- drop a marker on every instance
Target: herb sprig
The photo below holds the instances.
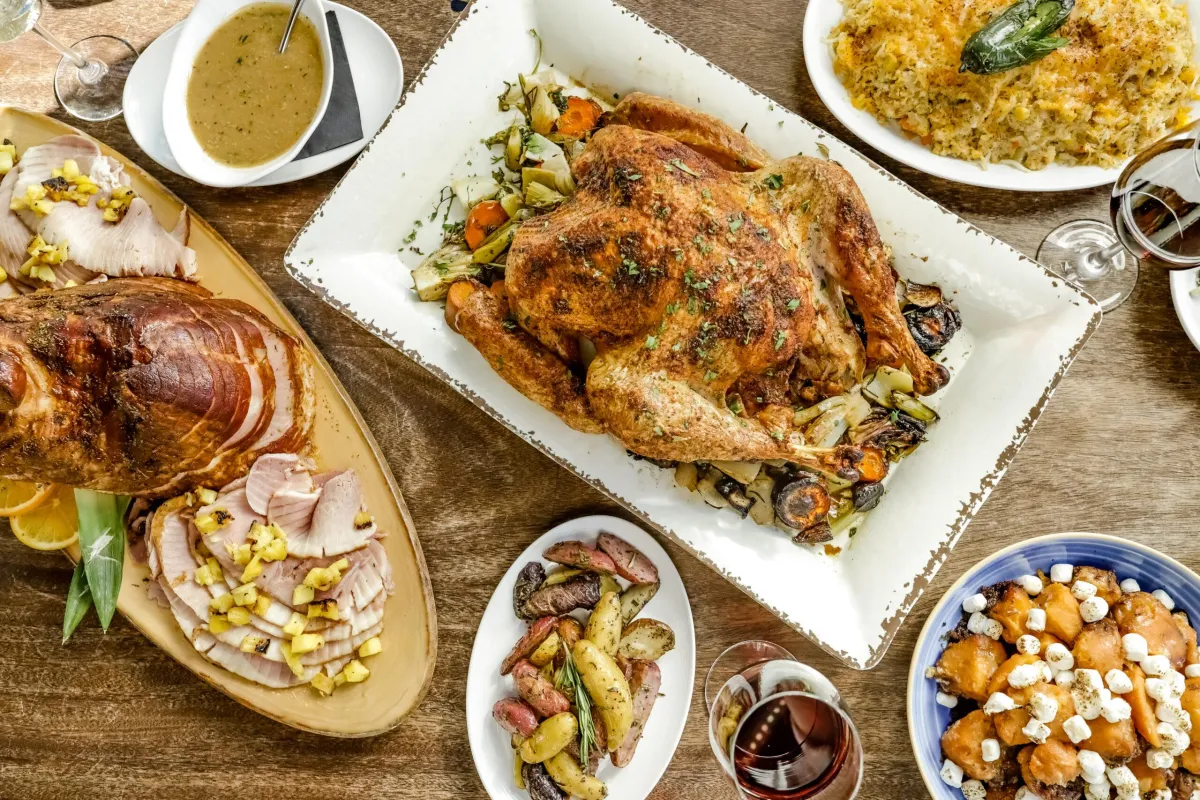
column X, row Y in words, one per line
column 567, row 679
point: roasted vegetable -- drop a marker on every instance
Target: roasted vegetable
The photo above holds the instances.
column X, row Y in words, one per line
column 540, row 196
column 1142, row 613
column 542, row 111
column 644, row 682
column 933, row 328
column 1018, row 35
column 549, row 738
column 741, row 471
column 495, row 245
column 514, row 149
column 561, row 575
column 474, row 189
column 687, row 475
column 539, row 784
column 962, row 742
column 441, row 268
column 921, row 295
column 582, row 591
column 913, row 407
column 546, row 650
column 578, row 554
column 533, row 637
column 536, row 690
column 528, row 581
column 603, row 628
column 515, row 716
column 880, row 385
column 483, row 219
column 646, row 640
column 629, row 562
column 567, row 773
column 801, row 502
column 867, row 495
column 580, row 116
column 706, row 487
column 608, row 689
column 966, row 667
column 635, row 598
column 735, row 495
column 896, row 431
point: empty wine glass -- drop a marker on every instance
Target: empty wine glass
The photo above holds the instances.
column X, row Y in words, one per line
column 1154, row 207
column 90, row 77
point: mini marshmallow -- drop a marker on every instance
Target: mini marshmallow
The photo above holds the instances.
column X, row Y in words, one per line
column 1047, row 671
column 1192, row 671
column 1121, row 776
column 1159, row 794
column 1091, row 764
column 1061, row 573
column 1177, row 681
column 1129, row 793
column 1118, row 682
column 1158, row 688
column 1097, row 790
column 1173, row 714
column 1130, row 585
column 1076, row 729
column 1059, row 657
column 974, row 604
column 1035, row 620
column 1082, row 590
column 998, row 703
column 976, row 622
column 1164, row 598
column 1025, row 793
column 946, row 700
column 1173, row 741
column 1024, row 675
column 1159, row 759
column 1038, row 733
column 1088, row 703
column 952, row 774
column 1135, row 647
column 1088, row 677
column 1029, row 645
column 1093, row 609
column 1043, row 708
column 1156, row 666
column 974, row 790
column 1116, row 710
column 1065, row 678
column 990, row 749
column 1032, row 584
column 993, row 629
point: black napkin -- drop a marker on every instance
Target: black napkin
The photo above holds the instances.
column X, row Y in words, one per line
column 342, row 123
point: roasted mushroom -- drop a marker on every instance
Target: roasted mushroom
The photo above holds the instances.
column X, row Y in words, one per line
column 801, row 502
column 918, row 294
column 735, row 494
column 934, row 327
column 894, row 431
column 867, row 495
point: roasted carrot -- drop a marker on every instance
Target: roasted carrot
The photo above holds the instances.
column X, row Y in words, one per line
column 580, row 117
column 484, row 218
column 456, row 299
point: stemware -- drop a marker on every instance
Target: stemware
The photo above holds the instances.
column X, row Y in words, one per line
column 1154, row 205
column 90, row 78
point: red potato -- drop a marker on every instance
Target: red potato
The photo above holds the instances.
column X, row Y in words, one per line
column 644, row 683
column 538, row 692
column 628, row 561
column 515, row 716
column 525, row 646
column 578, row 554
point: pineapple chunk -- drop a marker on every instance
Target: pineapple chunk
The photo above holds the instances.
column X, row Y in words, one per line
column 238, row 616
column 355, row 672
column 260, row 535
column 221, row 605
column 323, row 608
column 207, row 496
column 210, row 573
column 262, row 606
column 296, row 625
column 307, row 642
column 240, row 554
column 253, row 569
column 362, row 520
column 340, row 565
column 302, row 595
column 3, row 275
column 255, row 644
column 245, row 595
column 218, row 624
column 275, row 551
column 42, row 207
column 6, row 163
column 293, row 660
column 371, row 647
column 339, row 679
column 320, row 578
column 70, row 169
column 217, row 518
column 323, row 683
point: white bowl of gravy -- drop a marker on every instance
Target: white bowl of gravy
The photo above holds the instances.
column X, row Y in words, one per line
column 234, row 108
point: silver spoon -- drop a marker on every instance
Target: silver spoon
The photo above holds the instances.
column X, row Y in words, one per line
column 287, row 32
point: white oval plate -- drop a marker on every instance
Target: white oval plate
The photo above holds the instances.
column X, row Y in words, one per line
column 823, row 15
column 500, row 628
column 374, row 63
column 1187, row 307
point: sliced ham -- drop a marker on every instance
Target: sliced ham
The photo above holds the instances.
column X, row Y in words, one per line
column 14, row 235
column 333, row 530
column 339, row 649
column 293, row 512
column 274, row 473
column 272, row 674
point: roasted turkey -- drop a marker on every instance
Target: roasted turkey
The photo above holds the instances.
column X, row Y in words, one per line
column 702, row 271
column 147, row 387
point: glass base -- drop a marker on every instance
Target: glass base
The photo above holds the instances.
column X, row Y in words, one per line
column 1065, row 252
column 93, row 92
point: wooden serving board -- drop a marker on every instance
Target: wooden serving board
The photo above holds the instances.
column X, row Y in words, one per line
column 401, row 674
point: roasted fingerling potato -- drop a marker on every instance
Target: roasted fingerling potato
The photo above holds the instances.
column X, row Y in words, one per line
column 628, row 561
column 546, row 650
column 635, row 598
column 644, row 683
column 549, row 738
column 539, row 691
column 515, row 716
column 532, row 639
column 646, row 640
column 607, row 687
column 567, row 773
column 604, row 625
column 578, row 554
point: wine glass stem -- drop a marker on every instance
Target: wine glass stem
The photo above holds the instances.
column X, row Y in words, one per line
column 79, row 61
column 1098, row 262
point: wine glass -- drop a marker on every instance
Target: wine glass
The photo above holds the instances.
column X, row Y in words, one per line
column 90, row 77
column 779, row 728
column 1154, row 206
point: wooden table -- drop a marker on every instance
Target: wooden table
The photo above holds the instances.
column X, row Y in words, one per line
column 112, row 716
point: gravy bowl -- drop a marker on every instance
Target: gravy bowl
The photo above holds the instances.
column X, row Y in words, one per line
column 204, row 20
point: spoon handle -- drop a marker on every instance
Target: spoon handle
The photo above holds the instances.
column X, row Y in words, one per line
column 287, row 32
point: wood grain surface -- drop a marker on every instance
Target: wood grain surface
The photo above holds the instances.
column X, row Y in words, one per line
column 113, row 716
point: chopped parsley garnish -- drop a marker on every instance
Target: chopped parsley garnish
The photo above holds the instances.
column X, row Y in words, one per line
column 773, row 181
column 736, row 405
column 651, row 342
column 689, row 280
column 735, row 222
column 710, row 376
column 804, row 206
column 634, row 177
column 631, row 266
column 793, row 304
column 672, row 307
column 777, row 435
column 682, row 167
column 509, row 324
column 705, row 193
column 780, row 338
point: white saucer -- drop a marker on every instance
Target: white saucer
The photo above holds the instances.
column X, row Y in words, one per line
column 1187, row 307
column 374, row 63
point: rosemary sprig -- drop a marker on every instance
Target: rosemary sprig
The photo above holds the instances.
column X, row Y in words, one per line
column 567, row 679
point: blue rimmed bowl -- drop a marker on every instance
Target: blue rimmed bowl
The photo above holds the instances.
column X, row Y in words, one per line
column 1150, row 568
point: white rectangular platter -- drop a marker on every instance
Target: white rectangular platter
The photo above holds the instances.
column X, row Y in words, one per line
column 1022, row 327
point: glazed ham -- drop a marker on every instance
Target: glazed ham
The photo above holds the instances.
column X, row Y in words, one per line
column 147, row 387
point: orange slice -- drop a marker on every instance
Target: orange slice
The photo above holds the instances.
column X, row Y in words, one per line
column 51, row 526
column 18, row 497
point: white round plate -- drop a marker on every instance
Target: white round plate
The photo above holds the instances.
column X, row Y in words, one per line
column 821, row 18
column 374, row 63
column 1187, row 307
column 500, row 628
